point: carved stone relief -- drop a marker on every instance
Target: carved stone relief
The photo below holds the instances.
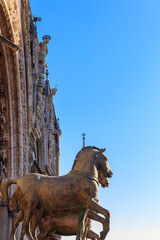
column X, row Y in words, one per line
column 4, row 126
column 3, row 170
column 38, row 115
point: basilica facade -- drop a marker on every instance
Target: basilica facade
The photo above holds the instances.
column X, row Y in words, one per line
column 29, row 130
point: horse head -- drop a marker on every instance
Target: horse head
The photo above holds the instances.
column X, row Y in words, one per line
column 102, row 163
column 91, row 156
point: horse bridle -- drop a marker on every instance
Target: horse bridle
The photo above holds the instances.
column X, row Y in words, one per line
column 85, row 175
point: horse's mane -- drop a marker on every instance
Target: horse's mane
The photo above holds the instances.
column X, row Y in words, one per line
column 83, row 149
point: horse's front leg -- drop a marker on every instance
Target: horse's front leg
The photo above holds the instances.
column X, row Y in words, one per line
column 94, row 216
column 88, row 203
column 92, row 235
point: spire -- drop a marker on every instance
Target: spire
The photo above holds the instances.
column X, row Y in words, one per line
column 83, row 135
column 47, row 85
column 47, row 73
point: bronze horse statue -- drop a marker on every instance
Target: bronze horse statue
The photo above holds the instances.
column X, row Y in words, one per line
column 66, row 222
column 68, row 225
column 62, row 222
column 78, row 188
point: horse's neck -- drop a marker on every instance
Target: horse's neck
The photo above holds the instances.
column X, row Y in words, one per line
column 88, row 167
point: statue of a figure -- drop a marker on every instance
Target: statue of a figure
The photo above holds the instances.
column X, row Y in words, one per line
column 51, row 147
column 40, row 109
column 52, row 93
column 44, row 51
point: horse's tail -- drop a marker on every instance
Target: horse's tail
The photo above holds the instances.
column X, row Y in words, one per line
column 4, row 188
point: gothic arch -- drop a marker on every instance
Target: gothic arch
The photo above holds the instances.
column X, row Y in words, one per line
column 10, row 89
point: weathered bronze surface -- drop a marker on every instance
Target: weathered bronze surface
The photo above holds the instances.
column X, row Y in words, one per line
column 78, row 188
column 68, row 225
column 66, row 222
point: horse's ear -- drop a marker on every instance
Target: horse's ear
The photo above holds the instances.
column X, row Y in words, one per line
column 102, row 150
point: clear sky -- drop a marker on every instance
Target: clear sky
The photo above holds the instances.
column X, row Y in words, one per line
column 105, row 58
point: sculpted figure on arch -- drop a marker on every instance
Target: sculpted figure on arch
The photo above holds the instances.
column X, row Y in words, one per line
column 78, row 188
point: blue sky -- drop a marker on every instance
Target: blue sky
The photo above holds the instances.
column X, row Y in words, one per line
column 105, row 58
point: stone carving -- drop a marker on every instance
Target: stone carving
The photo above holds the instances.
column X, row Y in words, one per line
column 78, row 188
column 3, row 140
column 52, row 93
column 15, row 18
column 8, row 43
column 23, row 119
column 2, row 93
column 51, row 148
column 43, row 52
column 2, row 119
column 40, row 105
column 3, row 143
column 3, row 170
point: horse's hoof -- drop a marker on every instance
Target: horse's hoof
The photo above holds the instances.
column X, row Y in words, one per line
column 103, row 235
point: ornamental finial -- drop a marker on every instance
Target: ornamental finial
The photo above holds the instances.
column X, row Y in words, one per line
column 83, row 135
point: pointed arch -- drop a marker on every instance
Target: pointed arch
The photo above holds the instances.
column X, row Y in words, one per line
column 11, row 96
